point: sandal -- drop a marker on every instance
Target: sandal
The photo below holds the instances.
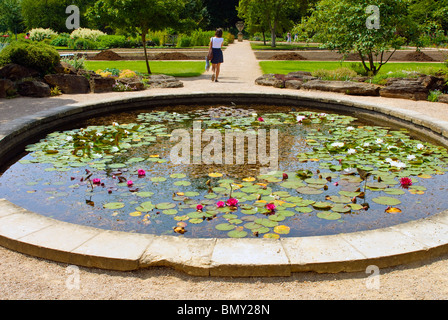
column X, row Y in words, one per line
column 213, row 77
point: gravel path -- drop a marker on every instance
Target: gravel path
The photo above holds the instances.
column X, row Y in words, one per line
column 24, row 277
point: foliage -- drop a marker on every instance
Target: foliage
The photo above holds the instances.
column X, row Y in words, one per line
column 269, row 15
column 340, row 74
column 38, row 56
column 40, row 34
column 434, row 95
column 341, row 26
column 76, row 62
column 10, row 16
column 85, row 33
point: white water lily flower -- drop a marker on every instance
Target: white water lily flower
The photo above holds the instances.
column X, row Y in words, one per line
column 398, row 164
column 411, row 157
column 350, row 128
column 300, row 118
column 420, row 146
column 254, row 115
column 98, row 134
column 115, row 124
column 337, row 144
column 126, row 131
column 69, row 138
column 351, row 151
column 366, row 144
column 379, row 141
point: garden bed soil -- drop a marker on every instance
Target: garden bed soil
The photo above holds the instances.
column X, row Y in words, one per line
column 288, row 56
column 418, row 56
column 107, row 55
column 171, row 56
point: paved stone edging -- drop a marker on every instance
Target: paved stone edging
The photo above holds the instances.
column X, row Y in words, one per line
column 36, row 235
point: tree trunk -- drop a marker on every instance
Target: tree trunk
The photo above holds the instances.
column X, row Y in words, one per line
column 264, row 38
column 273, row 36
column 146, row 51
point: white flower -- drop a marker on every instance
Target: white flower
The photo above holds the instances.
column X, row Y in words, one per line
column 69, row 138
column 420, row 146
column 115, row 124
column 300, row 118
column 350, row 128
column 389, row 160
column 126, row 131
column 366, row 144
column 411, row 157
column 337, row 144
column 398, row 164
column 99, row 134
column 351, row 151
column 379, row 141
column 254, row 115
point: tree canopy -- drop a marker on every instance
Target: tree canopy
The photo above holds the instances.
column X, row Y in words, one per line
column 342, row 25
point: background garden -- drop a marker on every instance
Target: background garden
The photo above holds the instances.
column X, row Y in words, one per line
column 151, row 25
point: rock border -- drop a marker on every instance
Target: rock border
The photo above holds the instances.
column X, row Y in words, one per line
column 33, row 234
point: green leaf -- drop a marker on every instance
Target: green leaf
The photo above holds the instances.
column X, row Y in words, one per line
column 388, row 201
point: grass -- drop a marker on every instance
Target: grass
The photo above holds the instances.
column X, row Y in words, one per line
column 391, row 69
column 179, row 69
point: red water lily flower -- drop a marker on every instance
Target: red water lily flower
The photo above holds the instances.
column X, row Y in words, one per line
column 405, row 182
column 199, row 207
column 141, row 173
column 220, row 204
column 270, row 206
column 232, row 202
column 260, row 119
column 96, row 181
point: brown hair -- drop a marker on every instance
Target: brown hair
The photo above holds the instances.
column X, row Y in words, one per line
column 218, row 33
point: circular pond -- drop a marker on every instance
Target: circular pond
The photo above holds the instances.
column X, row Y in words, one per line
column 228, row 171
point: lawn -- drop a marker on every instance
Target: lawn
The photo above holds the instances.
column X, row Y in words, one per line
column 391, row 69
column 171, row 68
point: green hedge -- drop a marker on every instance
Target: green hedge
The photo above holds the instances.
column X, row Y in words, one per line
column 38, row 56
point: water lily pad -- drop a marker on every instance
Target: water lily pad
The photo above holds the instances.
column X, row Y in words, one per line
column 271, row 236
column 215, row 175
column 196, row 220
column 329, row 215
column 145, row 194
column 170, row 212
column 225, row 227
column 178, row 175
column 282, row 229
column 114, row 205
column 135, row 214
column 388, row 201
column 182, row 183
column 237, row 234
column 322, row 205
column 158, row 179
column 308, row 190
column 145, row 206
column 165, row 205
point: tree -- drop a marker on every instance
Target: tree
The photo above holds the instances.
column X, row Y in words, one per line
column 10, row 16
column 49, row 13
column 272, row 14
column 140, row 16
column 342, row 25
column 220, row 14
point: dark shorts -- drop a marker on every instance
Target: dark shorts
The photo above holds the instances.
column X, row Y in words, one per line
column 217, row 56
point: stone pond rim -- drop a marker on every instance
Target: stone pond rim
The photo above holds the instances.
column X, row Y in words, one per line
column 43, row 237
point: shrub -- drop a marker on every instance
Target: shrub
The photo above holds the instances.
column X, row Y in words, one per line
column 183, row 41
column 39, row 34
column 38, row 56
column 77, row 63
column 60, row 42
column 83, row 44
column 434, row 95
column 87, row 34
column 341, row 74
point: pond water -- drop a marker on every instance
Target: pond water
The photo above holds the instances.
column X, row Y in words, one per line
column 334, row 174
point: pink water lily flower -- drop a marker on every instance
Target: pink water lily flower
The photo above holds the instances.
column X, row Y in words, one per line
column 270, row 206
column 199, row 207
column 130, row 183
column 141, row 173
column 220, row 204
column 260, row 119
column 232, row 202
column 406, row 182
column 96, row 181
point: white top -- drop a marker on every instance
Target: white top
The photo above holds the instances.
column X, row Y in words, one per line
column 217, row 42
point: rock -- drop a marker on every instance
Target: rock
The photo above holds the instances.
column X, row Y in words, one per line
column 266, row 80
column 293, row 84
column 15, row 72
column 6, row 88
column 34, row 88
column 164, row 81
column 66, row 68
column 405, row 89
column 433, row 83
column 347, row 87
column 300, row 74
column 101, row 85
column 135, row 83
column 68, row 83
column 443, row 98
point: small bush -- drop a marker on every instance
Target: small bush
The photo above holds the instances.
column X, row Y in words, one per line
column 184, row 42
column 88, row 34
column 434, row 95
column 38, row 56
column 84, row 44
column 60, row 42
column 340, row 74
column 39, row 34
column 77, row 63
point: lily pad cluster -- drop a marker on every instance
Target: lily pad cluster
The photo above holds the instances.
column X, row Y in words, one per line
column 342, row 168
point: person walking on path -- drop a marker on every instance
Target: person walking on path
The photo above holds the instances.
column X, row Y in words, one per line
column 216, row 45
